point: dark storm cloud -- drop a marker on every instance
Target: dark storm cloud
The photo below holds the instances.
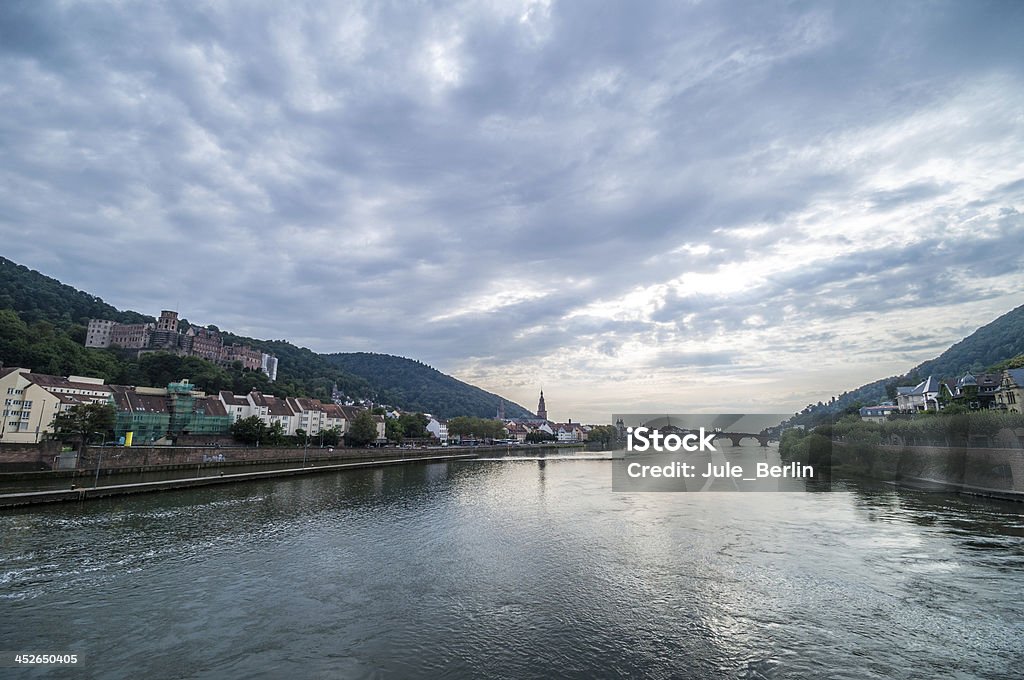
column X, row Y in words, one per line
column 454, row 181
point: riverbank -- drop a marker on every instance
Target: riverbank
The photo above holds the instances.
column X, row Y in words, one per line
column 27, row 463
column 975, row 471
column 87, row 493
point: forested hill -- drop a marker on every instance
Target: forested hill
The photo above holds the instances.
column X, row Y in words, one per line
column 398, row 380
column 37, row 297
column 990, row 347
column 984, row 348
column 42, row 327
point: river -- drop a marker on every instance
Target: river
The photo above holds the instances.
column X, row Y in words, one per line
column 517, row 568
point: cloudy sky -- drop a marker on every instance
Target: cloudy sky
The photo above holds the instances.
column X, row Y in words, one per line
column 638, row 206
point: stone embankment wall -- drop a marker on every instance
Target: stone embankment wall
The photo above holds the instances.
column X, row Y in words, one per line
column 997, row 472
column 28, row 456
column 43, row 457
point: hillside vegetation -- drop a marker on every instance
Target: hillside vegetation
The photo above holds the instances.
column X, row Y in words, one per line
column 36, row 297
column 994, row 346
column 398, row 380
column 43, row 324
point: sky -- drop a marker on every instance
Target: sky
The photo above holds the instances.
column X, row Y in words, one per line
column 636, row 206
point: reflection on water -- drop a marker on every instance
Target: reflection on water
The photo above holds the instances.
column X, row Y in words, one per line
column 515, row 568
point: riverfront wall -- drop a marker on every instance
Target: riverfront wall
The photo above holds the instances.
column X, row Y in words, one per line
column 75, row 493
column 16, row 458
column 45, row 461
column 995, row 472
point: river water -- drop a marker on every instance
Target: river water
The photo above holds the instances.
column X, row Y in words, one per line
column 514, row 568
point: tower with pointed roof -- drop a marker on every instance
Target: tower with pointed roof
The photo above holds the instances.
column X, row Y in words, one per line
column 542, row 411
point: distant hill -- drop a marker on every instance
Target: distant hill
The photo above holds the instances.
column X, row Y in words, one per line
column 42, row 327
column 985, row 349
column 398, row 380
column 36, row 297
column 982, row 349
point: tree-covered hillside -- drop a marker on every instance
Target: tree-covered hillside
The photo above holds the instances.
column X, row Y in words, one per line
column 992, row 347
column 304, row 370
column 43, row 324
column 419, row 387
column 981, row 350
column 36, row 297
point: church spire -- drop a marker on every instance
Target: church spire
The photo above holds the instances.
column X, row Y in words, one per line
column 542, row 411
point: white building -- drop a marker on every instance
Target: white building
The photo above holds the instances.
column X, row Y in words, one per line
column 311, row 413
column 922, row 397
column 438, row 428
column 268, row 365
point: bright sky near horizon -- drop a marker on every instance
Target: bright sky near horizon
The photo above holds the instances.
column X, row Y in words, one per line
column 641, row 207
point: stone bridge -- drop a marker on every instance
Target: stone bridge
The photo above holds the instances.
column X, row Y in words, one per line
column 762, row 437
column 737, row 437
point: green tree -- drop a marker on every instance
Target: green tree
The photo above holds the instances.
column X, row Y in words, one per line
column 249, row 430
column 393, row 430
column 330, row 437
column 602, row 434
column 275, row 434
column 468, row 426
column 414, row 425
column 84, row 421
column 363, row 429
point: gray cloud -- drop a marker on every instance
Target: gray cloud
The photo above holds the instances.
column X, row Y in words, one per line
column 465, row 183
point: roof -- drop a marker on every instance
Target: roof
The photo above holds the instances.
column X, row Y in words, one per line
column 55, row 381
column 74, row 399
column 308, row 404
column 1016, row 375
column 127, row 399
column 989, row 381
column 211, row 406
column 929, row 384
column 277, row 407
column 334, row 411
column 350, row 412
column 233, row 399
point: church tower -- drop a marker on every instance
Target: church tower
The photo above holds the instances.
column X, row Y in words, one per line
column 542, row 411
